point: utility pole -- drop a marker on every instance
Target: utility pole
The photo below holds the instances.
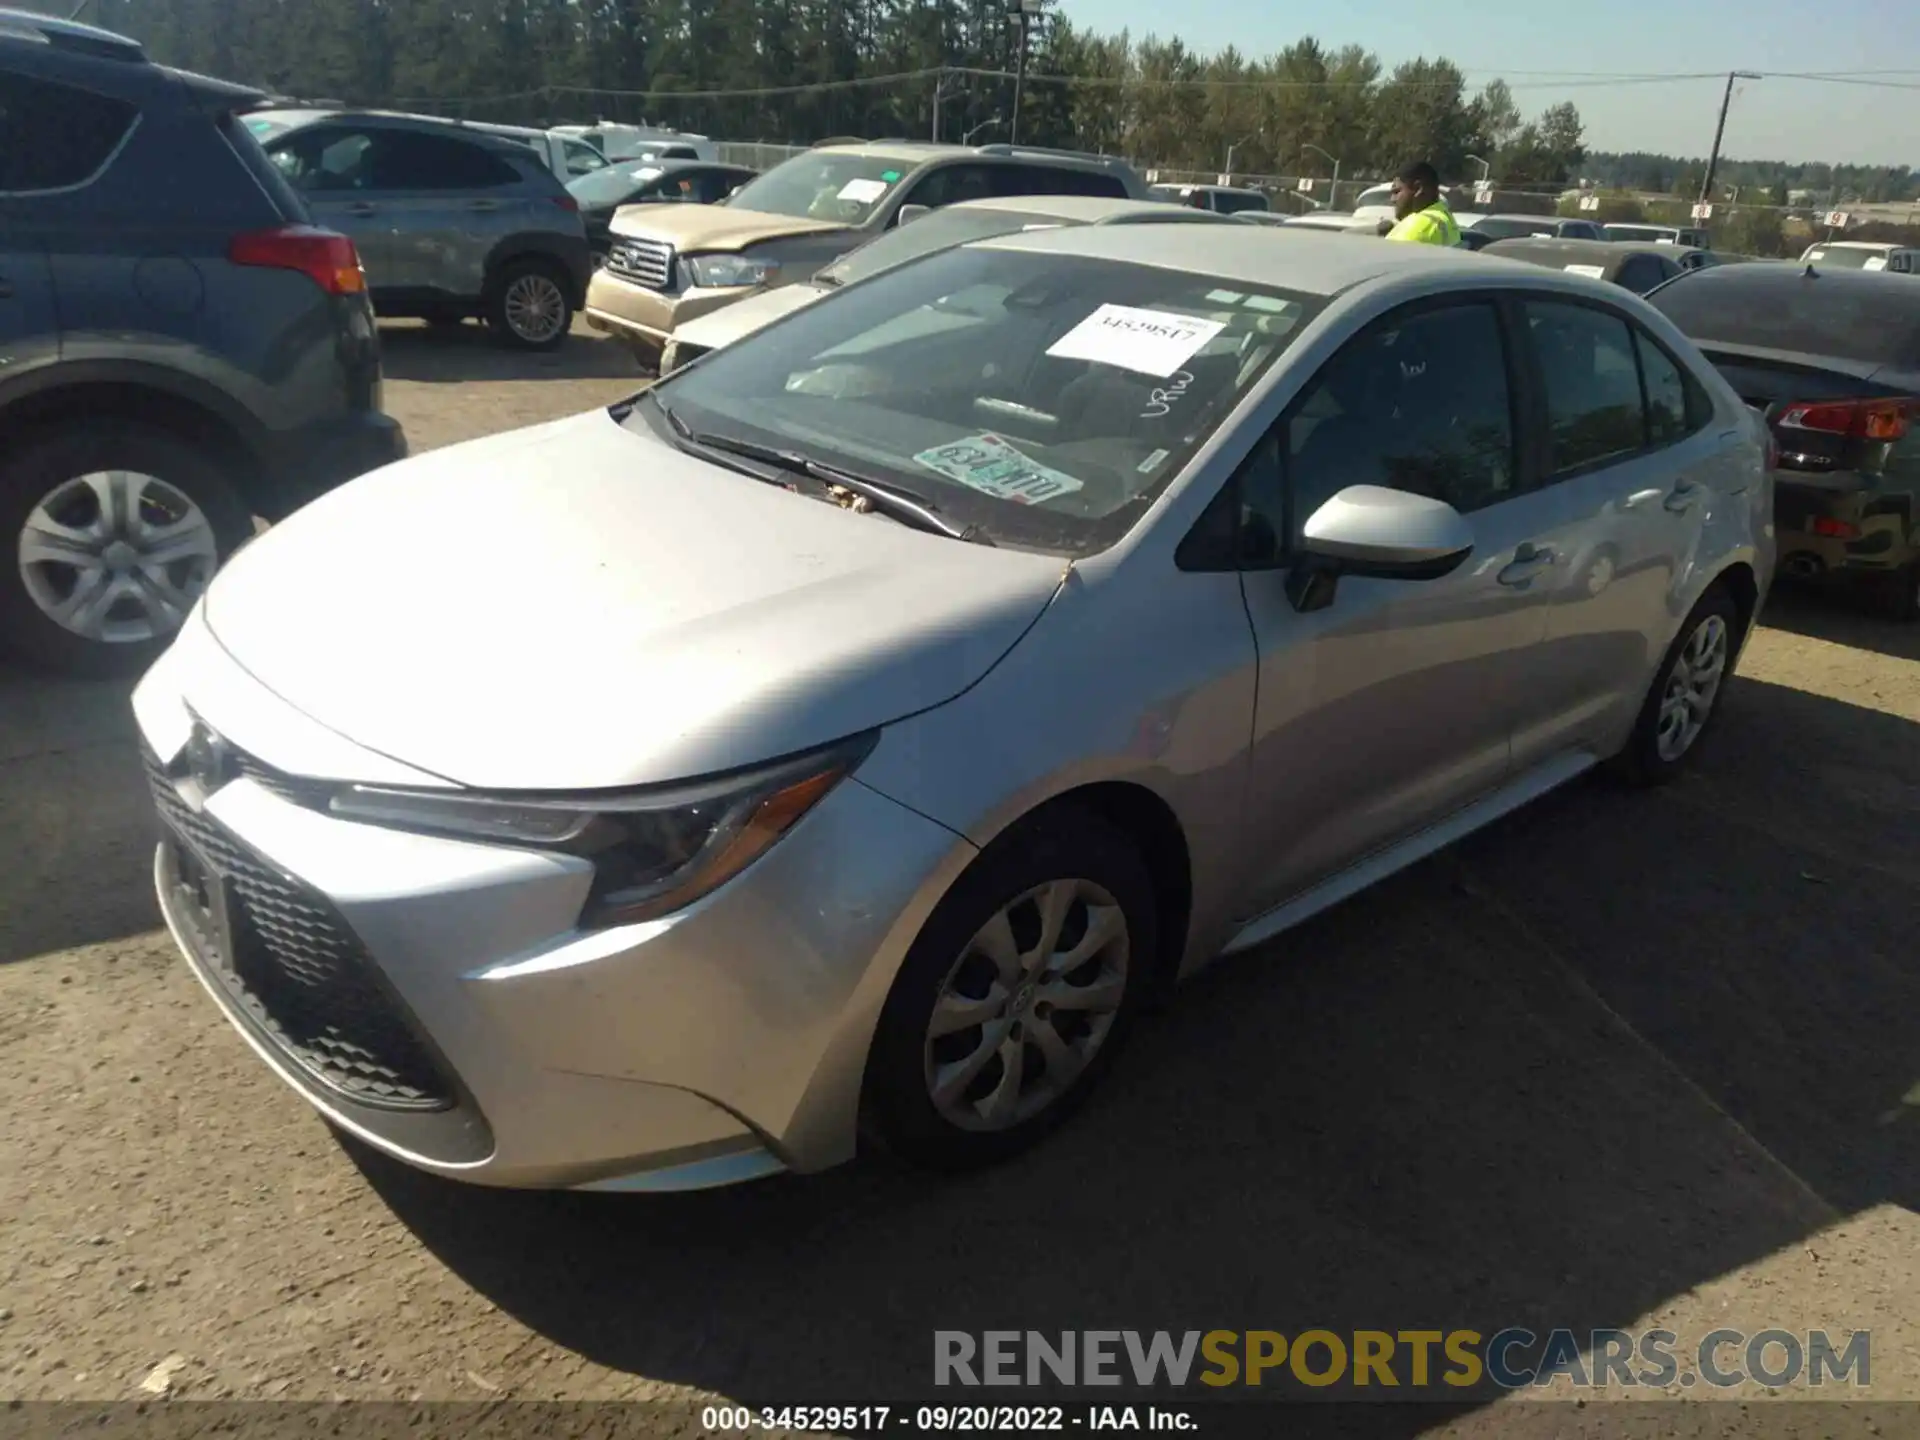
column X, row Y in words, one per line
column 940, row 92
column 1713, row 160
column 1022, row 12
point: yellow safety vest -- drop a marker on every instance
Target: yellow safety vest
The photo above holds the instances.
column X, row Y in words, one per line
column 1434, row 225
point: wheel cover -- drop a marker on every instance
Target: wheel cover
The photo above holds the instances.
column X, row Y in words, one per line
column 1029, row 1002
column 1692, row 685
column 535, row 308
column 117, row 557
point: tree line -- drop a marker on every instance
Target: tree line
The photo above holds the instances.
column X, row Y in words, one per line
column 825, row 68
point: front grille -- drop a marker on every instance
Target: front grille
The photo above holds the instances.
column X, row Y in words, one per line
column 296, row 971
column 645, row 262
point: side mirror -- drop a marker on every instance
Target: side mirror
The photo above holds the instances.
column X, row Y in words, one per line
column 1371, row 530
column 910, row 213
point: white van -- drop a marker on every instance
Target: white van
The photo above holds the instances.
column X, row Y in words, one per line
column 1862, row 255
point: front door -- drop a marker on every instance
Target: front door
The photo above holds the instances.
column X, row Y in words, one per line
column 332, row 167
column 29, row 327
column 447, row 203
column 1391, row 707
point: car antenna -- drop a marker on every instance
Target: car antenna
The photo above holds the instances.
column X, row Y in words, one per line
column 1812, row 274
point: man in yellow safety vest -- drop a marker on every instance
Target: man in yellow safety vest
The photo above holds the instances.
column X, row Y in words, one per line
column 1423, row 216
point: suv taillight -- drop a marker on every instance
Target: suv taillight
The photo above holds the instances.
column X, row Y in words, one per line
column 326, row 256
column 1855, row 419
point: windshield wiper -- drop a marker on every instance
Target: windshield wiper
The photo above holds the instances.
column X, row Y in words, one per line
column 895, row 504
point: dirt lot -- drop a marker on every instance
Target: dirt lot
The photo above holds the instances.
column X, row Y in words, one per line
column 1625, row 1059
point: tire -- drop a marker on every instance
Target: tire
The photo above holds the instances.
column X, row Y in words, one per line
column 526, row 288
column 166, row 484
column 1063, row 847
column 1663, row 743
column 1899, row 593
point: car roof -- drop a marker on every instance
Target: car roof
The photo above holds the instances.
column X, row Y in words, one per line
column 1081, row 209
column 918, row 152
column 1523, row 219
column 504, row 138
column 665, row 167
column 1855, row 245
column 1552, row 249
column 1311, row 264
column 1781, row 278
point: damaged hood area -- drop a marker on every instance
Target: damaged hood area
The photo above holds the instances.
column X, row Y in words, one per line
column 580, row 606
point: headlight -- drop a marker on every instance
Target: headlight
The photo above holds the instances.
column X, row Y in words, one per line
column 721, row 271
column 654, row 851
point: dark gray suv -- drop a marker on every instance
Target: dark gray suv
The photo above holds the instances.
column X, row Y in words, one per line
column 451, row 220
column 181, row 349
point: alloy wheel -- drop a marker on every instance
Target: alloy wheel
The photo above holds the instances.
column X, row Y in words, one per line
column 535, row 309
column 1693, row 684
column 1027, row 1005
column 117, row 557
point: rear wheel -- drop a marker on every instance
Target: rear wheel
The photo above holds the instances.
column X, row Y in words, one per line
column 114, row 530
column 528, row 307
column 1016, row 996
column 1685, row 697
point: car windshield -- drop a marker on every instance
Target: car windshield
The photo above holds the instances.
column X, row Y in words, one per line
column 1843, row 257
column 939, row 230
column 823, row 185
column 1045, row 398
column 612, row 185
column 1650, row 234
column 1760, row 307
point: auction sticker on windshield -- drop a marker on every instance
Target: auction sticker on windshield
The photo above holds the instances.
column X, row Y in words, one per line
column 993, row 467
column 863, row 192
column 1592, row 272
column 1152, row 342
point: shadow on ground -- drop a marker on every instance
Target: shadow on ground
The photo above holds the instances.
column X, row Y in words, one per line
column 1618, row 1045
column 411, row 350
column 1841, row 616
column 76, row 826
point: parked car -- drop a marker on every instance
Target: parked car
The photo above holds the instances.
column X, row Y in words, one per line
column 1632, row 267
column 1343, row 224
column 667, row 266
column 1862, row 255
column 643, row 142
column 1226, row 199
column 890, row 704
column 1659, row 235
column 1514, row 227
column 1832, row 359
column 1474, row 240
column 1374, row 203
column 955, row 225
column 180, row 348
column 667, row 182
column 451, row 221
column 568, row 158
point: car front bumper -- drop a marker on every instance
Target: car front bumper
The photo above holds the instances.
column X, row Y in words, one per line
column 304, row 464
column 647, row 318
column 435, row 998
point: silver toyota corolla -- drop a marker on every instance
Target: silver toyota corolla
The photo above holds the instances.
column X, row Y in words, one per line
column 842, row 739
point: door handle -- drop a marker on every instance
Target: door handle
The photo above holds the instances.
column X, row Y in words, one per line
column 360, row 207
column 1682, row 497
column 1528, row 561
column 484, row 205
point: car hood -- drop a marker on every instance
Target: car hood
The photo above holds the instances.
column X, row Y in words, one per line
column 743, row 317
column 692, row 229
column 577, row 606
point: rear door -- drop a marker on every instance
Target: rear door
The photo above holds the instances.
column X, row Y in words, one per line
column 448, row 201
column 330, row 165
column 1633, row 444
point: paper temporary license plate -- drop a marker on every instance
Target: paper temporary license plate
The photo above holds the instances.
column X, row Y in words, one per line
column 990, row 465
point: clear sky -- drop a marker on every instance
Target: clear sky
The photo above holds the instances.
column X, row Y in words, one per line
column 1772, row 119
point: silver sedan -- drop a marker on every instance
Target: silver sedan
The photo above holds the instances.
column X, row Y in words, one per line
column 841, row 740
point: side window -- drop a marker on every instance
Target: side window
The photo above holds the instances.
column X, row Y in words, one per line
column 582, row 159
column 405, row 160
column 326, row 159
column 1641, row 273
column 1418, row 403
column 951, row 184
column 1592, row 382
column 1676, row 405
column 1059, row 180
column 54, row 136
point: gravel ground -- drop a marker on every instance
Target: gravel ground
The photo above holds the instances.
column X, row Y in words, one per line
column 1625, row 1059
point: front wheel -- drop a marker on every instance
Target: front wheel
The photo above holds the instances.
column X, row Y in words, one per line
column 1685, row 697
column 1016, row 996
column 115, row 529
column 528, row 307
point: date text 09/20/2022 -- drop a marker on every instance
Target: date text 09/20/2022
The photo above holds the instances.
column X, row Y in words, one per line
column 940, row 1419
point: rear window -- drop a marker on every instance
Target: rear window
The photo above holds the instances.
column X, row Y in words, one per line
column 1856, row 320
column 1500, row 228
column 1841, row 257
column 1059, row 180
column 241, row 136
